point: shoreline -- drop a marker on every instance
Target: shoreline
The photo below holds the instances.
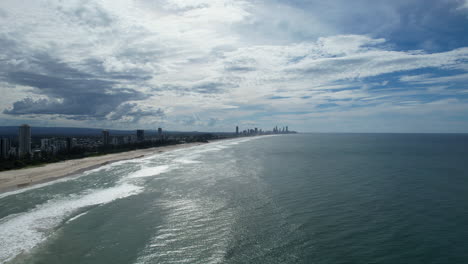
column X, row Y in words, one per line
column 14, row 180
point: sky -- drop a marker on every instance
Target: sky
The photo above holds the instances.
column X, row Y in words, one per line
column 209, row 65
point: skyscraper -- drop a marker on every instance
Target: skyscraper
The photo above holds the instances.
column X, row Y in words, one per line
column 159, row 131
column 4, row 147
column 115, row 141
column 45, row 144
column 24, row 139
column 105, row 137
column 140, row 135
column 237, row 130
column 71, row 143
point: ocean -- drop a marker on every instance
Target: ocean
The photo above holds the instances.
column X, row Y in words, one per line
column 299, row 198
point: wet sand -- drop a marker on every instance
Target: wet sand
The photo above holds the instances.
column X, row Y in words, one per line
column 16, row 179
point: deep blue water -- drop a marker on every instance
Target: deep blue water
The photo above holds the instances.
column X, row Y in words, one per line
column 305, row 198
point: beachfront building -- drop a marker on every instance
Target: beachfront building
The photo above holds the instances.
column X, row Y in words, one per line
column 60, row 146
column 24, row 139
column 115, row 141
column 71, row 143
column 140, row 135
column 105, row 137
column 45, row 144
column 5, row 148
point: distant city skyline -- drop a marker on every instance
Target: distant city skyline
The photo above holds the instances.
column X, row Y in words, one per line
column 208, row 65
column 28, row 147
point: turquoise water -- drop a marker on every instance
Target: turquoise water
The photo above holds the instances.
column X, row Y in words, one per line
column 306, row 198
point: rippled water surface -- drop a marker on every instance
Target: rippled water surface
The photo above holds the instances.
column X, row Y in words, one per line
column 306, row 198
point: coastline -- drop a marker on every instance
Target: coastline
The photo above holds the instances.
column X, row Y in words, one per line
column 18, row 179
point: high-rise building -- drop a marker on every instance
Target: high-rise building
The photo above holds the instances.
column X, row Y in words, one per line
column 105, row 137
column 4, row 148
column 71, row 143
column 13, row 152
column 237, row 130
column 45, row 144
column 60, row 145
column 287, row 129
column 140, row 135
column 159, row 131
column 24, row 139
column 115, row 141
column 256, row 130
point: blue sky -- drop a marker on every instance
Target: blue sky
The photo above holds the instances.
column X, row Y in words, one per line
column 318, row 66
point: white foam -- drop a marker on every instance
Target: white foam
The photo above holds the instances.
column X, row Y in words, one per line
column 36, row 186
column 186, row 155
column 186, row 161
column 181, row 157
column 64, row 179
column 109, row 166
column 76, row 217
column 150, row 171
column 24, row 231
column 189, row 218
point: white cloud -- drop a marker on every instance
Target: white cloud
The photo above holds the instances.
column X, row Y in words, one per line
column 463, row 5
column 430, row 79
column 202, row 57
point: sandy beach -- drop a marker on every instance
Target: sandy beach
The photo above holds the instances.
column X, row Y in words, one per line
column 16, row 179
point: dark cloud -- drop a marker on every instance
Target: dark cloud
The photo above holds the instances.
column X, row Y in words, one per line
column 63, row 89
column 48, row 65
column 82, row 91
column 31, row 106
column 69, row 96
